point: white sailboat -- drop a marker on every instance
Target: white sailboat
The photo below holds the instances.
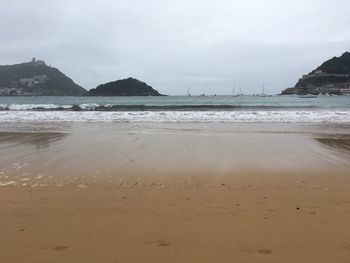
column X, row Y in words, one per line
column 189, row 93
column 233, row 92
column 236, row 94
column 263, row 91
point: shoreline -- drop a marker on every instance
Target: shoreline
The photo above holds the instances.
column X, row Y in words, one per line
column 247, row 116
column 121, row 150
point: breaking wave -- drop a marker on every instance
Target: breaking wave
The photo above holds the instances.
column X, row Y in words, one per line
column 142, row 107
column 224, row 116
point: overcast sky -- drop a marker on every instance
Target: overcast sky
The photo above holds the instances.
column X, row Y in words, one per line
column 208, row 46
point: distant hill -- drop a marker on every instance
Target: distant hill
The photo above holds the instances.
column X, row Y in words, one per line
column 332, row 77
column 124, row 87
column 337, row 65
column 35, row 78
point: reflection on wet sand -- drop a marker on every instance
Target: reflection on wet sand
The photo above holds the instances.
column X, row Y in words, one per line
column 341, row 142
column 39, row 140
column 98, row 153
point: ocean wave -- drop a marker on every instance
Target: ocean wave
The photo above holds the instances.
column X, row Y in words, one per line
column 267, row 116
column 142, row 107
column 24, row 107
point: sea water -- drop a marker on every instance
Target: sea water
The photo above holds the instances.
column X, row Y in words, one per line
column 323, row 109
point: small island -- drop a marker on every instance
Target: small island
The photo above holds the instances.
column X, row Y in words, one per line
column 332, row 77
column 124, row 87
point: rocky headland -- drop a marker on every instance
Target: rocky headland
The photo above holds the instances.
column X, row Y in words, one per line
column 36, row 78
column 332, row 77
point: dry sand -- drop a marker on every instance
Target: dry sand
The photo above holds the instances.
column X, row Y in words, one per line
column 175, row 194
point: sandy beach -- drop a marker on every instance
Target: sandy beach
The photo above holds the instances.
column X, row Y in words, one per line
column 174, row 192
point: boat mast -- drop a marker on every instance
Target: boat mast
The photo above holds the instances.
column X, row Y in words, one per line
column 263, row 89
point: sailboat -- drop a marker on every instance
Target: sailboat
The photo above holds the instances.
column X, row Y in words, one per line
column 233, row 92
column 189, row 93
column 240, row 92
column 263, row 91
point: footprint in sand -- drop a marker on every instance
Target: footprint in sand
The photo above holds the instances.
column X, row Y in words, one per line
column 159, row 243
column 162, row 243
column 265, row 251
column 313, row 213
column 61, row 248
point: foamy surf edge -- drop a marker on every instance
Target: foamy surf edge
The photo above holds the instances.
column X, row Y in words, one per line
column 318, row 116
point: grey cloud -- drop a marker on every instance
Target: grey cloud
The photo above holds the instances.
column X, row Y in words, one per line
column 208, row 45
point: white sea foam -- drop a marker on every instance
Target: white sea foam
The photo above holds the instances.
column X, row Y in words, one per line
column 88, row 106
column 317, row 116
column 8, row 183
column 3, row 106
column 24, row 107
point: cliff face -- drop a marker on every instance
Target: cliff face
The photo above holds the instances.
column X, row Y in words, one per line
column 35, row 78
column 332, row 77
column 124, row 87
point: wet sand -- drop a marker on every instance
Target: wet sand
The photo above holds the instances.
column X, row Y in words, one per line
column 175, row 193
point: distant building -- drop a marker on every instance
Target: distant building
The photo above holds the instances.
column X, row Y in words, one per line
column 330, row 89
column 38, row 62
column 345, row 91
